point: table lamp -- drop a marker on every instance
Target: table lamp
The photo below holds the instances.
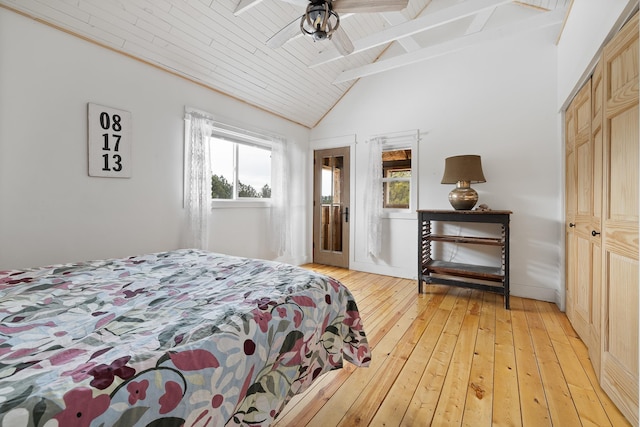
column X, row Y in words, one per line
column 462, row 171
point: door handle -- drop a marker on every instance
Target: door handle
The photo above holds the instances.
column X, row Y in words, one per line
column 594, row 233
column 346, row 214
column 571, row 224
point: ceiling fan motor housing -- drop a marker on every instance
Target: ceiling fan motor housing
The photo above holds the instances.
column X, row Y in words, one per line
column 320, row 20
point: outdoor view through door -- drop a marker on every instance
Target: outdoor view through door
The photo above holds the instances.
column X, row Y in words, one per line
column 331, row 216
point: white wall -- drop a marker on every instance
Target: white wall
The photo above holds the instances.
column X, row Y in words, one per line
column 498, row 101
column 50, row 209
column 588, row 27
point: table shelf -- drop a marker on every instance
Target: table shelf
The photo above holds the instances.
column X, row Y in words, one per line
column 467, row 239
column 471, row 271
column 487, row 278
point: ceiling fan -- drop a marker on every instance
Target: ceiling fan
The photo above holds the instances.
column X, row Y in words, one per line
column 321, row 21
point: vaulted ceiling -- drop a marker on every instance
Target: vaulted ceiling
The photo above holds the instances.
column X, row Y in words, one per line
column 224, row 44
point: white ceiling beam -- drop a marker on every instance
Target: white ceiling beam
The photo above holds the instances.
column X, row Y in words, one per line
column 536, row 22
column 479, row 21
column 245, row 5
column 432, row 20
column 397, row 18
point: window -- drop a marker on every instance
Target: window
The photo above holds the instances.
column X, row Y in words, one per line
column 396, row 179
column 240, row 164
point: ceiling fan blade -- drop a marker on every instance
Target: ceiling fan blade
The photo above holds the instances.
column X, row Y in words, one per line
column 284, row 35
column 369, row 6
column 342, row 41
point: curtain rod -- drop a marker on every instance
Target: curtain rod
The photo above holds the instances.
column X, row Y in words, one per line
column 232, row 128
column 392, row 137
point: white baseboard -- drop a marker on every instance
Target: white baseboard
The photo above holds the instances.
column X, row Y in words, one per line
column 534, row 292
column 516, row 289
column 294, row 260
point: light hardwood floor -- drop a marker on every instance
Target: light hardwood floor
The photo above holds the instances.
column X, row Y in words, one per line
column 453, row 357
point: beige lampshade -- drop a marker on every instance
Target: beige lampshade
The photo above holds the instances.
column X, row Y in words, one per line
column 463, row 168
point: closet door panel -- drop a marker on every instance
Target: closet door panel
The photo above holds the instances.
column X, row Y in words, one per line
column 619, row 364
column 596, row 217
column 623, row 335
column 570, row 212
column 623, row 203
column 579, row 162
column 584, row 157
column 585, row 185
column 582, row 300
column 620, row 355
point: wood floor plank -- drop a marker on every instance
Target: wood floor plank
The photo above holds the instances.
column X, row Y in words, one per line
column 479, row 402
column 506, row 393
column 613, row 413
column 454, row 390
column 366, row 406
column 393, row 408
column 533, row 401
column 561, row 407
column 360, row 379
column 453, row 356
column 385, row 320
column 425, row 400
column 583, row 394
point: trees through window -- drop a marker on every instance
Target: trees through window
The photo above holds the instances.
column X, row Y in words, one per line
column 240, row 170
column 396, row 179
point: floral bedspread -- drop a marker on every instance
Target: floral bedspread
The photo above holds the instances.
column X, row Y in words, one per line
column 178, row 338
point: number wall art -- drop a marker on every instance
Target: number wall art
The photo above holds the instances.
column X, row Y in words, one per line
column 109, row 142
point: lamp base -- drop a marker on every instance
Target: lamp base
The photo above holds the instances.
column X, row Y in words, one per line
column 463, row 197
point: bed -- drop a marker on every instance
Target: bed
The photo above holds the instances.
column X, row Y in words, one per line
column 185, row 337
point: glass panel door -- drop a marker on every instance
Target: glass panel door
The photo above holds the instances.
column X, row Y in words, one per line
column 332, row 177
column 331, row 207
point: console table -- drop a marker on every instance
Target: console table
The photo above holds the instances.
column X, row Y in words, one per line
column 486, row 278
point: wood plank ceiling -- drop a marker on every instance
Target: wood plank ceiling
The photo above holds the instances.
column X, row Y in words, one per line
column 205, row 41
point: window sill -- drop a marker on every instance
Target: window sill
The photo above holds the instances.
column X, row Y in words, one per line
column 404, row 214
column 226, row 204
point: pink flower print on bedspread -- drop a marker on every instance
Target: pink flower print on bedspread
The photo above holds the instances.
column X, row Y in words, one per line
column 80, row 372
column 8, row 281
column 81, row 407
column 272, row 344
column 103, row 375
column 158, row 394
column 137, row 391
column 214, row 405
column 171, row 397
column 262, row 318
column 154, row 395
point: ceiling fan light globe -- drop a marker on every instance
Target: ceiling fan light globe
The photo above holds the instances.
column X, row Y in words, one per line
column 319, row 36
column 316, row 17
column 319, row 20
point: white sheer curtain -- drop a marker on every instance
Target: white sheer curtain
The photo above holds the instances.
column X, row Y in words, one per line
column 280, row 206
column 373, row 198
column 198, row 176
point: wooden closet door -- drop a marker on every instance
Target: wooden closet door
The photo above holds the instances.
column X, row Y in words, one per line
column 595, row 242
column 619, row 375
column 583, row 250
column 571, row 207
column 570, row 211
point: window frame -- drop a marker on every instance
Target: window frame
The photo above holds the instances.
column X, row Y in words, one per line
column 404, row 141
column 391, row 180
column 237, row 133
column 237, row 142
